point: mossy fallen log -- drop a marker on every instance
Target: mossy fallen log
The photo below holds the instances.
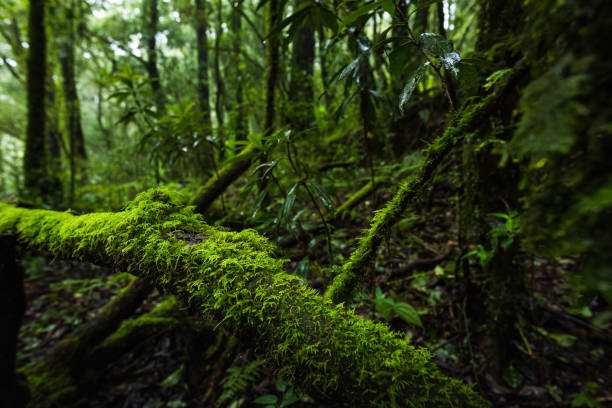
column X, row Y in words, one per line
column 217, row 184
column 234, row 278
column 353, row 274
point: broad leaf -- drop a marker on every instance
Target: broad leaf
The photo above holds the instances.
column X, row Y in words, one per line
column 407, row 313
column 355, row 14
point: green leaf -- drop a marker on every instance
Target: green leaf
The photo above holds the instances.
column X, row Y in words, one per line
column 355, row 14
column 564, row 340
column 384, row 307
column 289, row 398
column 301, row 270
column 414, row 80
column 441, row 48
column 295, row 19
column 512, row 376
column 407, row 313
column 350, row 68
column 322, row 195
column 258, row 201
column 330, row 20
column 266, row 399
column 398, row 59
column 389, row 7
column 281, row 385
column 289, row 201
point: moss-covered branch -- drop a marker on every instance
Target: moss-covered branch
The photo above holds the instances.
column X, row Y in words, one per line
column 160, row 319
column 348, row 282
column 216, row 185
column 233, row 277
column 356, row 198
column 54, row 378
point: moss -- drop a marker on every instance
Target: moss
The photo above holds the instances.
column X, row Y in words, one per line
column 50, row 387
column 346, row 285
column 216, row 185
column 356, row 198
column 325, row 349
column 158, row 317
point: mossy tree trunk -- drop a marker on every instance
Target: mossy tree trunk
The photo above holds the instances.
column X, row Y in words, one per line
column 66, row 56
column 35, row 156
column 233, row 278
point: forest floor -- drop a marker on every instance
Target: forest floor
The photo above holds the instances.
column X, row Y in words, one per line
column 559, row 357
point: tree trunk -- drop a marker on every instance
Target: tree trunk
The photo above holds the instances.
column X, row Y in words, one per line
column 149, row 31
column 240, row 119
column 272, row 66
column 300, row 112
column 233, row 278
column 202, row 55
column 78, row 154
column 35, row 155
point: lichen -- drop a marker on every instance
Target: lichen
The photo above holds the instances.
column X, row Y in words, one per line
column 325, row 349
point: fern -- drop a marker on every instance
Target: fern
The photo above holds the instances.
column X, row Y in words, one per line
column 237, row 380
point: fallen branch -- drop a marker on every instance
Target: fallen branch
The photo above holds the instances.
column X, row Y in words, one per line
column 353, row 274
column 217, row 184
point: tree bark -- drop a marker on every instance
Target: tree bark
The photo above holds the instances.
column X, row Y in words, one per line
column 35, row 155
column 240, row 119
column 272, row 66
column 202, row 55
column 78, row 154
column 300, row 112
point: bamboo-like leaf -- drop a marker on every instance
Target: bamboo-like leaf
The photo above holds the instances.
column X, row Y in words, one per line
column 414, row 80
column 288, row 206
column 322, row 195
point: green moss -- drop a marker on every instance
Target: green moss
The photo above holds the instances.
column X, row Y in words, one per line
column 354, row 272
column 325, row 349
column 216, row 185
column 356, row 198
column 158, row 317
column 49, row 387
